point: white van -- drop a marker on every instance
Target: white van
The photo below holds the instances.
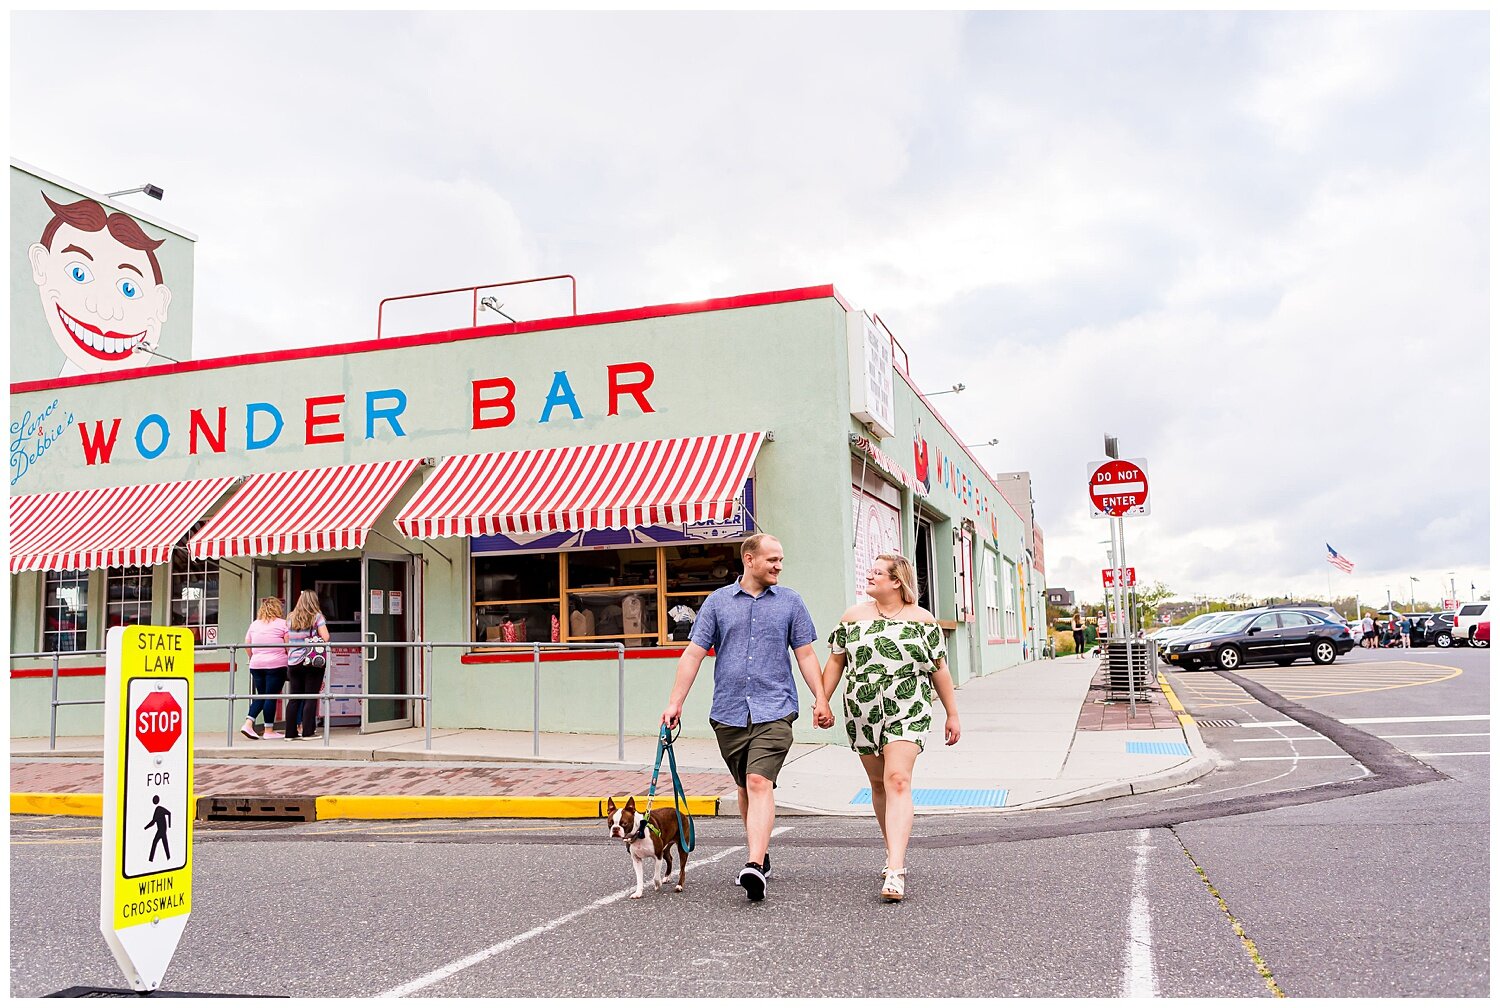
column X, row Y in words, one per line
column 1469, row 614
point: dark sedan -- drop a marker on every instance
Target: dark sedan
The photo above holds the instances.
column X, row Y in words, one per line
column 1436, row 630
column 1280, row 636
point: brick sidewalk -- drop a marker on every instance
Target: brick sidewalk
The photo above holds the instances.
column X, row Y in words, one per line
column 1115, row 716
column 278, row 778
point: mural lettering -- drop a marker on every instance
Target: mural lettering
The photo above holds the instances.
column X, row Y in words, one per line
column 30, row 437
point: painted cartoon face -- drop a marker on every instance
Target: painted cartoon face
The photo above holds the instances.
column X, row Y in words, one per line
column 100, row 298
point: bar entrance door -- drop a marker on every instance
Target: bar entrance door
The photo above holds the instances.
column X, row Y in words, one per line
column 386, row 599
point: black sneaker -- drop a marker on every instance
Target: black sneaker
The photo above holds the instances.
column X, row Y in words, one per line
column 765, row 869
column 754, row 882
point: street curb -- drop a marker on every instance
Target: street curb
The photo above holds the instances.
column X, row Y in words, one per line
column 396, row 806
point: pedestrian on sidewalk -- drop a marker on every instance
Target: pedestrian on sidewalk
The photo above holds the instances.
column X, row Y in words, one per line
column 750, row 625
column 1078, row 635
column 305, row 664
column 899, row 661
column 267, row 664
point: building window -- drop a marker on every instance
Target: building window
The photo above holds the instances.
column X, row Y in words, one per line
column 194, row 594
column 65, row 611
column 127, row 596
column 1012, row 631
column 991, row 597
column 640, row 597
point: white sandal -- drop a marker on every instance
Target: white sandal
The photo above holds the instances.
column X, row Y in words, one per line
column 893, row 889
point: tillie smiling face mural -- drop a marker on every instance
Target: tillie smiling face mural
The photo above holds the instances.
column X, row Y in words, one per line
column 101, row 287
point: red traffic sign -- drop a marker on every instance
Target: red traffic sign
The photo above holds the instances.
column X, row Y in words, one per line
column 1109, row 577
column 157, row 722
column 1118, row 488
column 1450, row 604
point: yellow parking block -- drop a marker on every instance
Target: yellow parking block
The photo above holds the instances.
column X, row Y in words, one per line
column 486, row 807
column 47, row 803
column 396, row 806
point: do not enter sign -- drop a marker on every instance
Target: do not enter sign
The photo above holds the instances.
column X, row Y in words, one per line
column 158, row 722
column 1118, row 488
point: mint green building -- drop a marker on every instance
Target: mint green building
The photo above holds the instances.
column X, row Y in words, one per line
column 578, row 480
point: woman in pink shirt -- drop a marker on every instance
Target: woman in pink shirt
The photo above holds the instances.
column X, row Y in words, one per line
column 267, row 664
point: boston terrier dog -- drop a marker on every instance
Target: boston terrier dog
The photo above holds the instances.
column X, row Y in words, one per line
column 648, row 839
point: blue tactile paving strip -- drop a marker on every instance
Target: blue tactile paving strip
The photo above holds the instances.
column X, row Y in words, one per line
column 1158, row 748
column 949, row 797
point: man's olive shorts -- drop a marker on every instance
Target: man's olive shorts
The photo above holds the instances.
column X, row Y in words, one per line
column 755, row 749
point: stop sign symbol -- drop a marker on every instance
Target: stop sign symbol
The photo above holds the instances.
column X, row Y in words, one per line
column 158, row 721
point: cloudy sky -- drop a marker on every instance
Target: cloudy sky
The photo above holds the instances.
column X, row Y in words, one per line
column 1255, row 246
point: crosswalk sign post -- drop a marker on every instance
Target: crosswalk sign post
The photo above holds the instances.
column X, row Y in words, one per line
column 146, row 868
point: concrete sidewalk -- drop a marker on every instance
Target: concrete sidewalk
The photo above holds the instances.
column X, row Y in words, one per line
column 1034, row 736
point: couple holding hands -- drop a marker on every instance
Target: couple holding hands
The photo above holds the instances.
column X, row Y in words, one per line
column 893, row 652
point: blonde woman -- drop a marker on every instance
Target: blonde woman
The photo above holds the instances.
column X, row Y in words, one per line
column 303, row 667
column 267, row 664
column 894, row 652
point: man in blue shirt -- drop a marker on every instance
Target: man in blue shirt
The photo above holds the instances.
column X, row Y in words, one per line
column 750, row 625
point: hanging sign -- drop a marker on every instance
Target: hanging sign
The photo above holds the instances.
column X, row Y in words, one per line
column 1109, row 577
column 146, row 865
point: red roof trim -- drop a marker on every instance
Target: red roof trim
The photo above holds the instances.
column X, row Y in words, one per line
column 93, row 670
column 446, row 336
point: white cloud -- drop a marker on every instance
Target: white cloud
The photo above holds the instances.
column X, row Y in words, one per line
column 1255, row 246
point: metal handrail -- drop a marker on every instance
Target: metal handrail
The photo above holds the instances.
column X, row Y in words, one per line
column 536, row 648
column 380, row 312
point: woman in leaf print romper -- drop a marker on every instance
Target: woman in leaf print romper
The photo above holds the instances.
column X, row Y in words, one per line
column 896, row 659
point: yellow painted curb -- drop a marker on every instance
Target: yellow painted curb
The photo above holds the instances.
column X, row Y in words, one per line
column 1183, row 717
column 47, row 803
column 486, row 807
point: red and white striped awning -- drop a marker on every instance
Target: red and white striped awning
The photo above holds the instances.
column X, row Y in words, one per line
column 584, row 488
column 304, row 511
column 126, row 526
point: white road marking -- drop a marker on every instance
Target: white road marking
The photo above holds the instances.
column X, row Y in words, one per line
column 1282, row 759
column 458, row 966
column 1140, row 979
column 1314, row 738
column 1372, row 720
column 1430, row 755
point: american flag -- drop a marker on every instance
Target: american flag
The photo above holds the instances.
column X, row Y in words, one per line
column 1340, row 561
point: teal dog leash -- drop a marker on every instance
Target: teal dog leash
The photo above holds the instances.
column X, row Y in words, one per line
column 686, row 836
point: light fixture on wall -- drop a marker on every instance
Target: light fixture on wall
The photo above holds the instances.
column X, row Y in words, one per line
column 959, row 387
column 494, row 306
column 984, row 444
column 154, row 191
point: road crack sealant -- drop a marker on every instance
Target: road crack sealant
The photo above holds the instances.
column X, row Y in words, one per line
column 1261, row 966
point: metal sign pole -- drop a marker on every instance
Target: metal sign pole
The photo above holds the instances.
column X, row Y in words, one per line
column 1129, row 642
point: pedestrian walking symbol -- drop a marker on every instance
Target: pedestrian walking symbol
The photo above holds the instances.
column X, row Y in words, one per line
column 159, row 821
column 155, row 778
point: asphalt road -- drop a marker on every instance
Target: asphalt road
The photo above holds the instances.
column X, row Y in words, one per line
column 1293, row 868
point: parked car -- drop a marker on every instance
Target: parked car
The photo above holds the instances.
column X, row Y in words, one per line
column 1436, row 630
column 1167, row 633
column 1417, row 619
column 1468, row 615
column 1275, row 635
column 1213, row 620
column 1327, row 612
column 1482, row 634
